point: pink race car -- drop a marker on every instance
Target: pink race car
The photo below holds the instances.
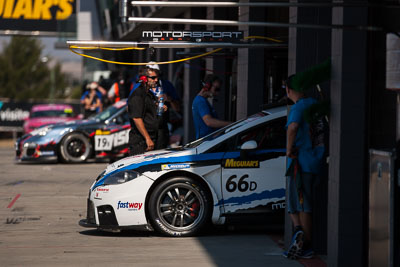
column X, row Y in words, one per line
column 49, row 114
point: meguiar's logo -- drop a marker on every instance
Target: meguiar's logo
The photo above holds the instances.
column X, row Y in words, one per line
column 232, row 163
column 36, row 9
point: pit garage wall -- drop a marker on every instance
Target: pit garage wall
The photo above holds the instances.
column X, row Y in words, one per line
column 192, row 78
column 348, row 129
column 308, row 47
column 250, row 69
column 221, row 64
column 362, row 117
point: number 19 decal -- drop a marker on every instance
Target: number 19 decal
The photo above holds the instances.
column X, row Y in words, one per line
column 242, row 185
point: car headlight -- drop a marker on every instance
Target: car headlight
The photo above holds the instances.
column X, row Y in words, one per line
column 101, row 175
column 42, row 131
column 120, row 177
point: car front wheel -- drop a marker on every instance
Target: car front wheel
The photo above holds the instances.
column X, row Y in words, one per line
column 179, row 207
column 75, row 148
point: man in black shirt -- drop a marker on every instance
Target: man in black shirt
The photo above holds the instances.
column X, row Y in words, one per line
column 142, row 109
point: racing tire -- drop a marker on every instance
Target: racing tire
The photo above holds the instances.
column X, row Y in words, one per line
column 179, row 207
column 75, row 148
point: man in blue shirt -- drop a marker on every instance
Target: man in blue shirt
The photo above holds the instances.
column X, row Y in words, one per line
column 204, row 116
column 304, row 161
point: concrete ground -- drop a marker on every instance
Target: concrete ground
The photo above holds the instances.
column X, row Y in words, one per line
column 41, row 204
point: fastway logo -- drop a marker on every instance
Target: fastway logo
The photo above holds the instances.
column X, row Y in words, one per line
column 129, row 205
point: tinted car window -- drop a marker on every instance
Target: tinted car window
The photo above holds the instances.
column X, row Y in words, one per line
column 268, row 135
column 125, row 117
column 225, row 130
column 122, row 119
column 52, row 113
column 110, row 111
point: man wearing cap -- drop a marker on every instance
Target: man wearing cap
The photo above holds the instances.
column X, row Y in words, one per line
column 204, row 116
column 165, row 90
column 142, row 110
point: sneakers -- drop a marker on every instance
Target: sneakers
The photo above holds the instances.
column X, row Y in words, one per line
column 295, row 248
column 307, row 254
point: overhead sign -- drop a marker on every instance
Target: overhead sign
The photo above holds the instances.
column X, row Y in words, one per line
column 36, row 15
column 192, row 36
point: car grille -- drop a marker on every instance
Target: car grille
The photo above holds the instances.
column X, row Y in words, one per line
column 30, row 152
column 107, row 216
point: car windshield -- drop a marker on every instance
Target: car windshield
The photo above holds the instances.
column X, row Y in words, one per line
column 224, row 130
column 64, row 113
column 107, row 113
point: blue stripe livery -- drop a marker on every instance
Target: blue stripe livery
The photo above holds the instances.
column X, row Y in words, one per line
column 267, row 194
column 185, row 159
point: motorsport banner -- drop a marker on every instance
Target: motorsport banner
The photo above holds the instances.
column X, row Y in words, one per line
column 37, row 15
column 192, row 36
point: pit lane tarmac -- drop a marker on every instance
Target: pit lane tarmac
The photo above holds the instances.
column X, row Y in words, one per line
column 41, row 204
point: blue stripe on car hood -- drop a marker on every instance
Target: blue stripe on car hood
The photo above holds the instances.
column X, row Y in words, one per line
column 183, row 159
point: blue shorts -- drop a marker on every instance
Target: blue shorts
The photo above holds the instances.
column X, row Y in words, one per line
column 293, row 202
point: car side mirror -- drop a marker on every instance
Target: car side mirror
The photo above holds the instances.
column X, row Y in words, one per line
column 249, row 145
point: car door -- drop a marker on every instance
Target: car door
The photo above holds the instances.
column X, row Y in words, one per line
column 115, row 135
column 253, row 179
column 120, row 131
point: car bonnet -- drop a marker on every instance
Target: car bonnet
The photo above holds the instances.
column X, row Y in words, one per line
column 145, row 161
column 151, row 157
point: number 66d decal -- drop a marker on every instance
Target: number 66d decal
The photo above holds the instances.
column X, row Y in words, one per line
column 242, row 185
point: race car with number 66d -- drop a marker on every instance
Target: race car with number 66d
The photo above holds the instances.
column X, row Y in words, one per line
column 235, row 172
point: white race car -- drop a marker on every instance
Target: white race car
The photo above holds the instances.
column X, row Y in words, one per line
column 233, row 172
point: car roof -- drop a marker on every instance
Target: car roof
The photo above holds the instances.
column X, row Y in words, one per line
column 120, row 103
column 275, row 109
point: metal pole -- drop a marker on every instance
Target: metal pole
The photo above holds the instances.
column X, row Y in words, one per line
column 101, row 44
column 252, row 4
column 123, row 10
column 248, row 23
column 52, row 84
